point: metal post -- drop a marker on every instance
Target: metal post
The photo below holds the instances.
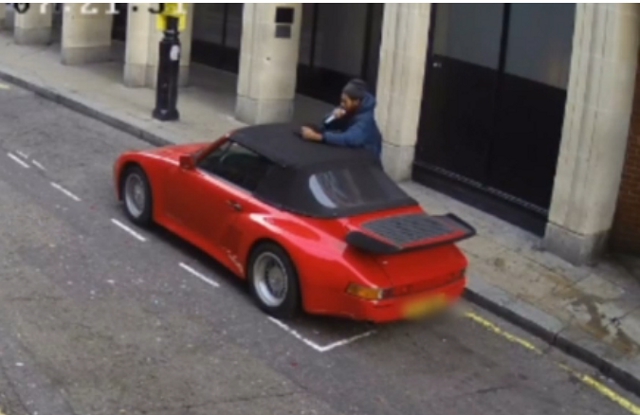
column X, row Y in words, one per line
column 168, row 71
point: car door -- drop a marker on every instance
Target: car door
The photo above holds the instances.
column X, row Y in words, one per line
column 209, row 197
column 194, row 205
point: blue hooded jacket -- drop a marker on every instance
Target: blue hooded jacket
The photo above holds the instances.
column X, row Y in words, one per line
column 360, row 131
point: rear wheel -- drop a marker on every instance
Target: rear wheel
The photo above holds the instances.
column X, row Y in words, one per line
column 273, row 281
column 136, row 195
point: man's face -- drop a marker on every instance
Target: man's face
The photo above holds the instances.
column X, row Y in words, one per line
column 348, row 104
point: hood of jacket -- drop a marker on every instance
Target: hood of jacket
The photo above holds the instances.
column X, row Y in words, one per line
column 368, row 104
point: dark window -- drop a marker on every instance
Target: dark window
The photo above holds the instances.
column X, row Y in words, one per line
column 333, row 191
column 353, row 187
column 237, row 165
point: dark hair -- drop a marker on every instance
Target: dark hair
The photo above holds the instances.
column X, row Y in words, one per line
column 356, row 89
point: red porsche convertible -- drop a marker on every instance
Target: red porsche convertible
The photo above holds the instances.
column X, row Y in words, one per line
column 310, row 226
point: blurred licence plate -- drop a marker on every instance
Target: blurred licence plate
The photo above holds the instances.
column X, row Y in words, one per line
column 425, row 307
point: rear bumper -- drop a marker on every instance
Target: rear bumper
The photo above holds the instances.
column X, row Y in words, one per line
column 396, row 309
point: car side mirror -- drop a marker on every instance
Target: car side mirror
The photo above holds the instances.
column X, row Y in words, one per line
column 187, row 162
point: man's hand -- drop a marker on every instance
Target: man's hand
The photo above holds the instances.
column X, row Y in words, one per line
column 311, row 135
column 339, row 113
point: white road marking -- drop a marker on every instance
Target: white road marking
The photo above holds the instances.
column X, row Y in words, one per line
column 23, row 155
column 65, row 191
column 5, row 87
column 18, row 160
column 128, row 230
column 344, row 342
column 199, row 275
column 315, row 346
column 38, row 165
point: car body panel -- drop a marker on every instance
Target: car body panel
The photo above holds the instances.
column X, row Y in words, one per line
column 203, row 210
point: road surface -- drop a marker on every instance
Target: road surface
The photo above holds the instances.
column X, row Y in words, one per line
column 98, row 317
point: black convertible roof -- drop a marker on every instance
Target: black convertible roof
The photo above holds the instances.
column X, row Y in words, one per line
column 282, row 144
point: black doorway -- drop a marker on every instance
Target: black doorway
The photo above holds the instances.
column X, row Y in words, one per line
column 493, row 106
column 119, row 28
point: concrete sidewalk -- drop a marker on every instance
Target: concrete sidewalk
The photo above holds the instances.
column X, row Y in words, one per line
column 591, row 313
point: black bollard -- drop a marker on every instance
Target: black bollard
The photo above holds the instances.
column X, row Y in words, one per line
column 168, row 71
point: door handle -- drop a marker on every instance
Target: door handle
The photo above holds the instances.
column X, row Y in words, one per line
column 235, row 205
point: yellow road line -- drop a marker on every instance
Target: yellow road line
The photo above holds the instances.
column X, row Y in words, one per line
column 497, row 330
column 603, row 390
column 585, row 379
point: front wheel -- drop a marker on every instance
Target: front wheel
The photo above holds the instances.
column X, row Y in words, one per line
column 136, row 194
column 273, row 281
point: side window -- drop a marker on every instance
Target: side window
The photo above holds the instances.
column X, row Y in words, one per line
column 237, row 165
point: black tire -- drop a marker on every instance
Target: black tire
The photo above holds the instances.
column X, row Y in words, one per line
column 143, row 218
column 290, row 306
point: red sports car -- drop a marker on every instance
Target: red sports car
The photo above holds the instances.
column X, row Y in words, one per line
column 310, row 226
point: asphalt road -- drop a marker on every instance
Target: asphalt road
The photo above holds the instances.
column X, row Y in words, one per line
column 97, row 320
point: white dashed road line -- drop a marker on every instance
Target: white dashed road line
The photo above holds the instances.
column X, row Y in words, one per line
column 18, row 160
column 23, row 155
column 65, row 191
column 315, row 346
column 199, row 275
column 128, row 230
column 38, row 165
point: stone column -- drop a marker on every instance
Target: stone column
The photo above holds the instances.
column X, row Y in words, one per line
column 268, row 63
column 34, row 26
column 86, row 38
column 9, row 18
column 143, row 39
column 595, row 131
column 3, row 15
column 403, row 54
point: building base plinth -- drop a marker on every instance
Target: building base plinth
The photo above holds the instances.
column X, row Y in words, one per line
column 397, row 161
column 253, row 111
column 84, row 55
column 33, row 36
column 575, row 248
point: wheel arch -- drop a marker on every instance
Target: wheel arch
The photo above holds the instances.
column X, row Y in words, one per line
column 296, row 264
column 126, row 165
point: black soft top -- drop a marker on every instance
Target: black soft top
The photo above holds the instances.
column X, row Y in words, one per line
column 319, row 180
column 282, row 144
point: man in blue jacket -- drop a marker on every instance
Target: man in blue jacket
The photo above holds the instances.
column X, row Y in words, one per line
column 352, row 124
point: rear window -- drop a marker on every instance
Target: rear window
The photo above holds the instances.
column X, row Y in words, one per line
column 332, row 191
column 353, row 187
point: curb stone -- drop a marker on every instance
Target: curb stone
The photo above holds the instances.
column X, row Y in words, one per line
column 570, row 340
column 491, row 298
column 88, row 109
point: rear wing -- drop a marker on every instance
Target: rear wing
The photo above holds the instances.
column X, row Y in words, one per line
column 403, row 233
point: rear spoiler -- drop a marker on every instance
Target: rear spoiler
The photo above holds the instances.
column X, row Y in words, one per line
column 409, row 232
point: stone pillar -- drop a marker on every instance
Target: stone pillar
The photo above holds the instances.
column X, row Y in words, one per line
column 86, row 38
column 34, row 26
column 143, row 39
column 403, row 54
column 3, row 15
column 186, row 38
column 268, row 64
column 9, row 18
column 595, row 131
